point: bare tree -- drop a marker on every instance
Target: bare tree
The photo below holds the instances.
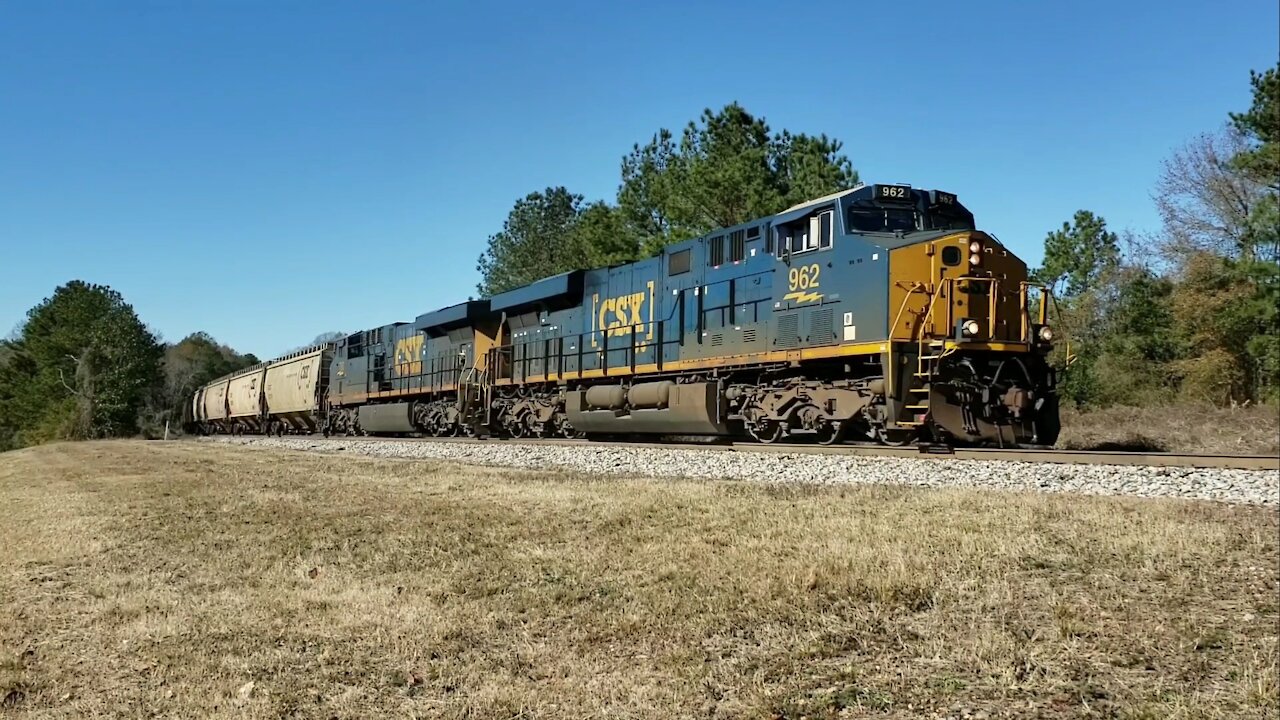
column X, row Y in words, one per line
column 1205, row 201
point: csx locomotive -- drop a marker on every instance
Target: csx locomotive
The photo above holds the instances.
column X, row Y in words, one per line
column 877, row 313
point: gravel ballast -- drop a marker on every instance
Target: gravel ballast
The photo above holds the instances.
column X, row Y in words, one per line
column 1254, row 487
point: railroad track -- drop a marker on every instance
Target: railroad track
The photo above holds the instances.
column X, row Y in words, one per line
column 1070, row 457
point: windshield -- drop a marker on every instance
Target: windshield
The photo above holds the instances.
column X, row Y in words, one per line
column 949, row 219
column 869, row 218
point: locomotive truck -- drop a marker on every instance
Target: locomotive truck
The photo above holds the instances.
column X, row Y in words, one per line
column 879, row 313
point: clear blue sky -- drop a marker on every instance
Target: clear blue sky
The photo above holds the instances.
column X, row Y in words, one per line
column 266, row 171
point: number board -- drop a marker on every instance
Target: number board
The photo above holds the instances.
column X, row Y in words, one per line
column 943, row 198
column 893, row 193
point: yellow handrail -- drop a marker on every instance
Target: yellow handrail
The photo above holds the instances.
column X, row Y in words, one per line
column 915, row 287
column 1070, row 358
column 907, row 298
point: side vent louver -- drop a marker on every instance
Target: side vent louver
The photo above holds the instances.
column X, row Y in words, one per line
column 788, row 331
column 821, row 327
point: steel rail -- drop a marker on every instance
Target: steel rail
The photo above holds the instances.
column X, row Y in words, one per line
column 1026, row 455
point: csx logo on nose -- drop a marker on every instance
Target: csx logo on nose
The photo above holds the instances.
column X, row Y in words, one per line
column 620, row 315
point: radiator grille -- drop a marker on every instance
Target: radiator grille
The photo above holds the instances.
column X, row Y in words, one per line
column 821, row 327
column 749, row 335
column 717, row 340
column 788, row 330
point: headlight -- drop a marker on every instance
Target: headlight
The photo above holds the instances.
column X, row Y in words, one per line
column 970, row 328
column 975, row 259
column 975, row 247
column 1046, row 334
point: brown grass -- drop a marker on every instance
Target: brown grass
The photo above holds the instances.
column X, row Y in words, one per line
column 193, row 580
column 1251, row 430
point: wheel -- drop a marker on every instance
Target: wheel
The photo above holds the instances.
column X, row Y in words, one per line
column 439, row 426
column 894, row 438
column 566, row 430
column 517, row 429
column 830, row 433
column 534, row 428
column 765, row 431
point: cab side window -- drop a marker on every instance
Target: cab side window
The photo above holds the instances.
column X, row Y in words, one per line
column 822, row 228
column 816, row 232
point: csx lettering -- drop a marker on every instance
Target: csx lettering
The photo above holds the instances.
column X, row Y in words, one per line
column 409, row 355
column 620, row 315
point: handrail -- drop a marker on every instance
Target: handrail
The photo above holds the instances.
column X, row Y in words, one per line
column 915, row 287
column 910, row 291
column 1044, row 317
column 927, row 315
column 516, row 359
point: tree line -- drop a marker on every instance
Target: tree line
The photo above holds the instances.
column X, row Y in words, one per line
column 1190, row 312
column 84, row 366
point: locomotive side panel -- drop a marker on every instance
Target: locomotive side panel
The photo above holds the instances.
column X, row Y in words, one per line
column 456, row 344
column 348, row 371
column 735, row 298
column 406, row 342
column 442, row 368
column 832, row 284
column 683, row 272
column 621, row 322
column 362, row 365
column 538, row 335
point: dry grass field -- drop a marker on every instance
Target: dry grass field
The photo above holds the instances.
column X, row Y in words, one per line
column 1253, row 430
column 198, row 580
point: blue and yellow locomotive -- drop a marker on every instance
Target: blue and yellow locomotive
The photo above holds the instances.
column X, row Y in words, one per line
column 879, row 312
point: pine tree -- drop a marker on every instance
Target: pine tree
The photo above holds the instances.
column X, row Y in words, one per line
column 83, row 366
column 726, row 168
column 1077, row 255
column 535, row 242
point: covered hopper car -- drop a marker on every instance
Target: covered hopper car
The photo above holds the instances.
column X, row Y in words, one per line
column 285, row 395
column 879, row 313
